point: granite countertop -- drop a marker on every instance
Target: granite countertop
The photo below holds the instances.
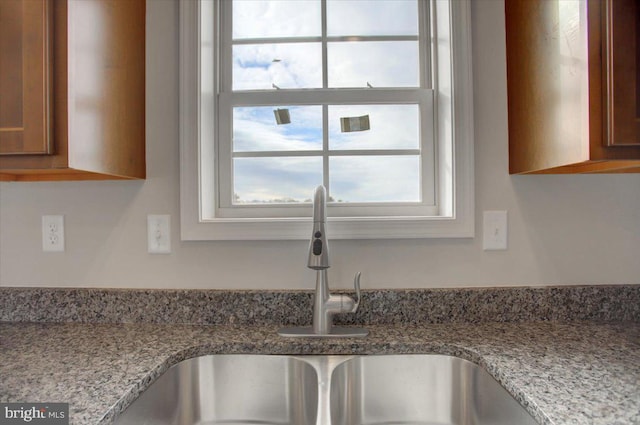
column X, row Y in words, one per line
column 571, row 373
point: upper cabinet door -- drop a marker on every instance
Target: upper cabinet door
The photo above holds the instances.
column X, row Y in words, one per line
column 622, row 23
column 25, row 76
column 573, row 86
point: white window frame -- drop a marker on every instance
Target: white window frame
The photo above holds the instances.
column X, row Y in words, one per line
column 420, row 96
column 201, row 218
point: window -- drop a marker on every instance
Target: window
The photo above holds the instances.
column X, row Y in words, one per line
column 277, row 98
column 337, row 93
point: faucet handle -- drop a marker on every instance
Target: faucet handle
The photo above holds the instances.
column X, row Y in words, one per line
column 356, row 285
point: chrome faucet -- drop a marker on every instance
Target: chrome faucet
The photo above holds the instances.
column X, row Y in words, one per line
column 318, row 247
column 325, row 305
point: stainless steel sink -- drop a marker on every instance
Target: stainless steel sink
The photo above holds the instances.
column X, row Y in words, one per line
column 420, row 389
column 229, row 389
column 324, row 390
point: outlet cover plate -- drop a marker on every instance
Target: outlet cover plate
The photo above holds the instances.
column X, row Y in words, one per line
column 494, row 227
column 53, row 233
column 159, row 234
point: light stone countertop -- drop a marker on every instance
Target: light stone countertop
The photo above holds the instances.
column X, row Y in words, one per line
column 572, row 373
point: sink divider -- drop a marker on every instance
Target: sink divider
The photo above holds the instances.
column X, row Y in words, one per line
column 324, row 367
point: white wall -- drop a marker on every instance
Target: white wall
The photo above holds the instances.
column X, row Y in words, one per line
column 563, row 230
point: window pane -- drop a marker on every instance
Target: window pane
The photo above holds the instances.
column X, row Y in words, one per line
column 287, row 65
column 381, row 64
column 275, row 180
column 375, row 178
column 275, row 18
column 391, row 127
column 372, row 17
column 255, row 128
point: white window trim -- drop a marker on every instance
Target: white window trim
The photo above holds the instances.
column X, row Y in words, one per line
column 455, row 220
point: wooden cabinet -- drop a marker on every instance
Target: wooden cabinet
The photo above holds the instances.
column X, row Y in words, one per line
column 622, row 72
column 573, row 86
column 25, row 76
column 96, row 89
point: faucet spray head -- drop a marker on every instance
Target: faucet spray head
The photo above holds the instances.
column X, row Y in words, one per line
column 319, row 247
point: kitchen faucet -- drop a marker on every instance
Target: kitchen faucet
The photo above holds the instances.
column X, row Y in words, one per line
column 325, row 304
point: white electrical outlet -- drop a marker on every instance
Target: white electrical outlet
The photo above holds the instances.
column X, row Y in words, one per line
column 53, row 233
column 494, row 230
column 158, row 234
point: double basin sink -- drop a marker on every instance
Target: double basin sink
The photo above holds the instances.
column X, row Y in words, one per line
column 325, row 390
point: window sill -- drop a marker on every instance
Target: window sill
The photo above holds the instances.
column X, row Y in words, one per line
column 337, row 228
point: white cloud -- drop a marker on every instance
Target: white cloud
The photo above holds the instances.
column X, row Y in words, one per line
column 299, row 66
column 276, row 18
column 255, row 129
column 375, row 178
column 372, row 17
column 383, row 64
column 271, row 179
